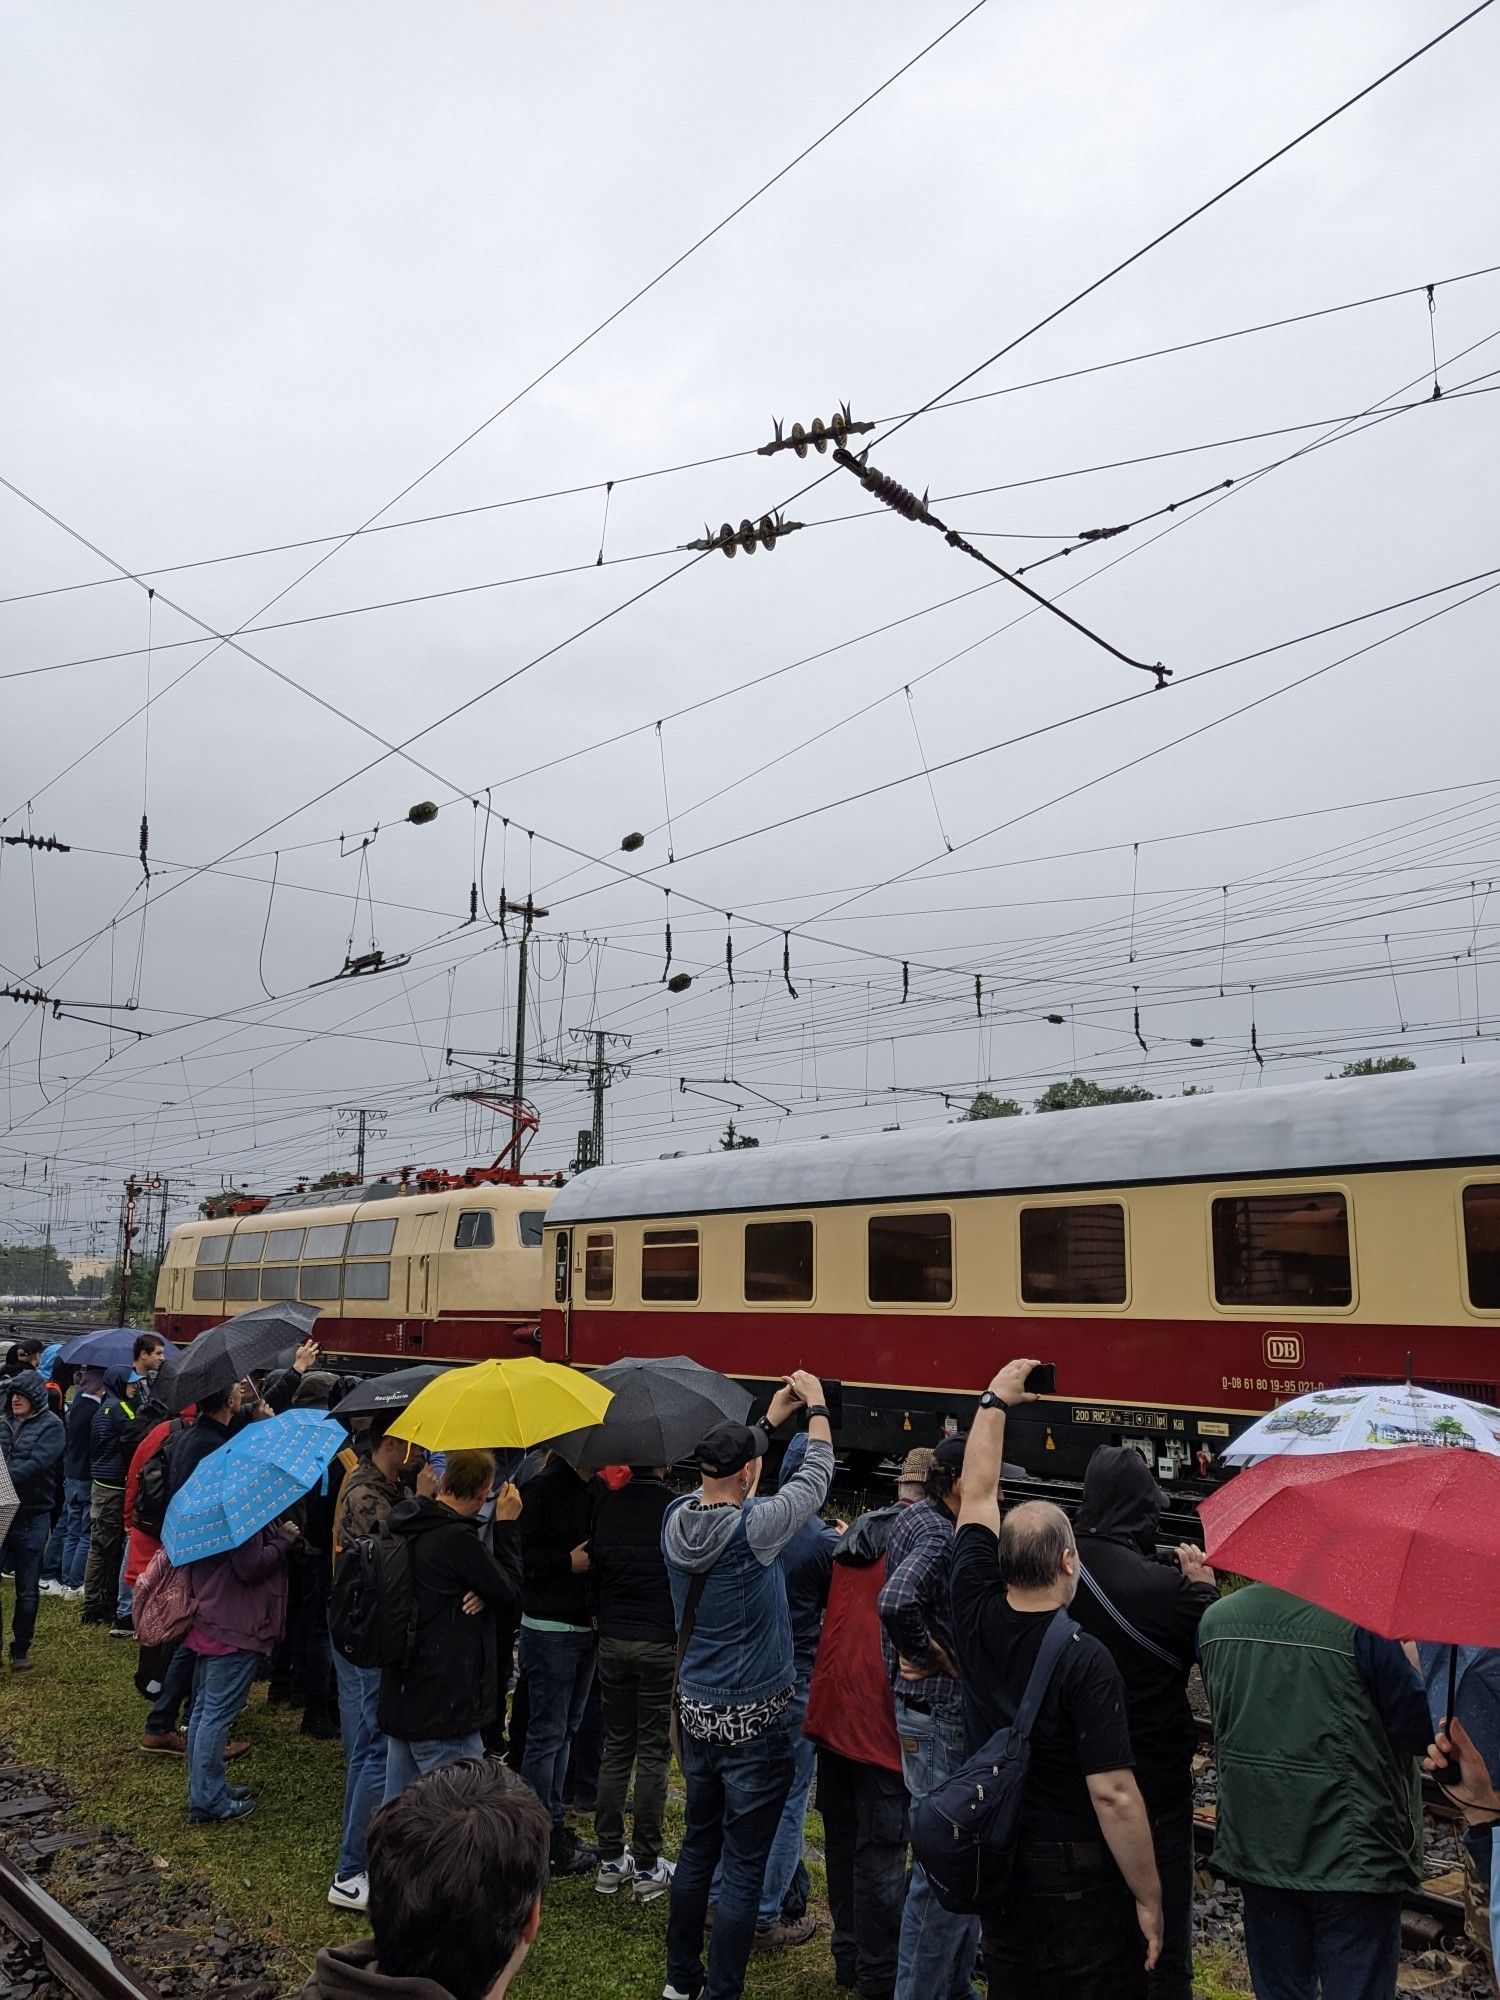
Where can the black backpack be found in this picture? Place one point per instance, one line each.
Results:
(964, 1832)
(372, 1608)
(151, 1488)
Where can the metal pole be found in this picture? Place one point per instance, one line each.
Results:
(518, 1083)
(598, 1080)
(359, 1150)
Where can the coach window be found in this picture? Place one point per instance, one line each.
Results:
(911, 1259)
(529, 1227)
(243, 1284)
(278, 1281)
(367, 1281)
(212, 1249)
(599, 1266)
(669, 1265)
(1073, 1254)
(246, 1247)
(326, 1239)
(318, 1284)
(476, 1230)
(1482, 1245)
(1282, 1250)
(779, 1262)
(208, 1286)
(283, 1246)
(372, 1239)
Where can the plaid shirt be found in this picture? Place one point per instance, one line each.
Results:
(915, 1607)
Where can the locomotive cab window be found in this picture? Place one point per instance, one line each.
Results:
(1282, 1250)
(779, 1262)
(669, 1265)
(529, 1227)
(475, 1231)
(1482, 1245)
(911, 1259)
(599, 1266)
(1073, 1254)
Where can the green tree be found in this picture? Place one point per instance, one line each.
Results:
(1377, 1066)
(987, 1105)
(34, 1270)
(736, 1142)
(1079, 1091)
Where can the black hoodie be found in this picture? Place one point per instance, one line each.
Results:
(1116, 1532)
(451, 1685)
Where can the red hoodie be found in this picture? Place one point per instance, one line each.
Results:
(140, 1547)
(850, 1708)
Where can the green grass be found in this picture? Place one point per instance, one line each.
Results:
(78, 1713)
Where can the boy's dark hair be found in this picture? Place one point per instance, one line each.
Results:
(457, 1862)
(144, 1342)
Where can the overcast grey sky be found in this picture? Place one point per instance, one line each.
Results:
(265, 267)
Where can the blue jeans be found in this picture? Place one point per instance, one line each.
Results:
(1294, 1939)
(364, 1757)
(735, 1796)
(406, 1758)
(937, 1949)
(786, 1849)
(68, 1550)
(559, 1670)
(221, 1687)
(23, 1552)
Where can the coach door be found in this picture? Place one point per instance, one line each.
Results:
(422, 1267)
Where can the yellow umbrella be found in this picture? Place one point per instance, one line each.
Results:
(495, 1404)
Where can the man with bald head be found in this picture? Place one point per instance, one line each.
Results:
(1081, 1918)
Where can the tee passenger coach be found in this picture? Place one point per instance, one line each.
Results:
(1185, 1263)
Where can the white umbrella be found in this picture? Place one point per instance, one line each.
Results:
(1383, 1416)
(10, 1506)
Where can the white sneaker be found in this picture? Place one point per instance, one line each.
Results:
(350, 1892)
(649, 1883)
(51, 1587)
(615, 1875)
(670, 1992)
(73, 1592)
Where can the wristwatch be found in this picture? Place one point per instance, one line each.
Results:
(817, 1410)
(990, 1401)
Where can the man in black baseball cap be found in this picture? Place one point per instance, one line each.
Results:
(736, 1678)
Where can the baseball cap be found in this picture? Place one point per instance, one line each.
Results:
(949, 1453)
(729, 1447)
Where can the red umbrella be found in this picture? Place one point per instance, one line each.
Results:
(1403, 1542)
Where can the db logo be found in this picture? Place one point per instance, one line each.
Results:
(1283, 1350)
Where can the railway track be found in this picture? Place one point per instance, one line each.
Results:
(57, 1943)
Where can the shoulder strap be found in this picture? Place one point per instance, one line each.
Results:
(1147, 1645)
(1056, 1636)
(695, 1592)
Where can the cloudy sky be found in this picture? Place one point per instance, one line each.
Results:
(270, 271)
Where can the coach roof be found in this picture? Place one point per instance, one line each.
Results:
(1413, 1118)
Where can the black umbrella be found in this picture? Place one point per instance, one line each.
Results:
(382, 1393)
(660, 1411)
(236, 1348)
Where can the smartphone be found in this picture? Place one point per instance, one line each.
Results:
(833, 1396)
(1042, 1381)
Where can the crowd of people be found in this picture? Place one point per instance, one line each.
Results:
(565, 1638)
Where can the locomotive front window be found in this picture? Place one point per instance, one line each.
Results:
(318, 1283)
(1282, 1250)
(372, 1239)
(1073, 1255)
(326, 1240)
(208, 1286)
(246, 1247)
(476, 1230)
(1482, 1246)
(669, 1265)
(529, 1227)
(278, 1281)
(779, 1262)
(599, 1266)
(212, 1250)
(911, 1259)
(367, 1281)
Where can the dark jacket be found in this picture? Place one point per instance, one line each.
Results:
(1116, 1530)
(80, 1424)
(189, 1448)
(850, 1708)
(109, 1460)
(149, 1412)
(350, 1972)
(241, 1596)
(32, 1446)
(629, 1575)
(556, 1518)
(451, 1685)
(807, 1565)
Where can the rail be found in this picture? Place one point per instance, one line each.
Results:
(72, 1954)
